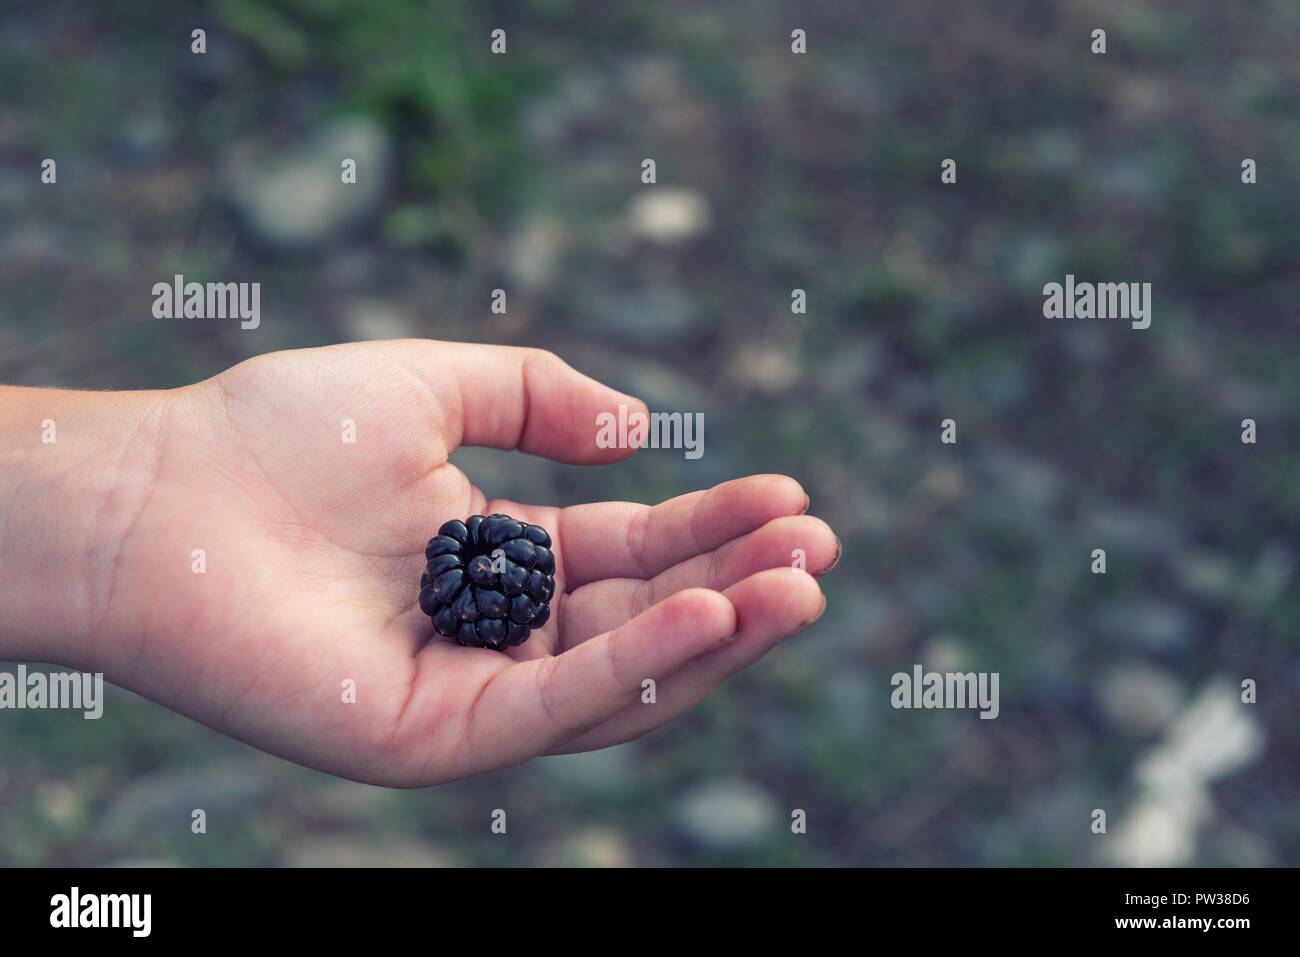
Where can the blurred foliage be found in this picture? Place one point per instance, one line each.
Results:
(426, 67)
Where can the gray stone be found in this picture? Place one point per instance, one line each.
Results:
(367, 320)
(296, 198)
(535, 252)
(668, 214)
(1139, 698)
(764, 367)
(728, 814)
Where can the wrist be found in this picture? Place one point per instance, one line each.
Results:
(76, 469)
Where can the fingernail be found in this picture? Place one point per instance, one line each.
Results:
(839, 550)
(807, 502)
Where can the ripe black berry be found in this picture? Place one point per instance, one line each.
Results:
(489, 580)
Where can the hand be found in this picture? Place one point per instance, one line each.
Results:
(312, 548)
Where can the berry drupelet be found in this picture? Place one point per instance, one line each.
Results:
(489, 580)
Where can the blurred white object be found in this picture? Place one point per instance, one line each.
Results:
(297, 198)
(729, 814)
(1214, 736)
(668, 214)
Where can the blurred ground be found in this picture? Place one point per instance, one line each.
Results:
(775, 171)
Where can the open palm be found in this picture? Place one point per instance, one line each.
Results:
(268, 585)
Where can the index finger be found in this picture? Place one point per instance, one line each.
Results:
(627, 540)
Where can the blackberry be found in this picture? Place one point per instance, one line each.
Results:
(489, 580)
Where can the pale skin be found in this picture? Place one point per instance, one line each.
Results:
(313, 548)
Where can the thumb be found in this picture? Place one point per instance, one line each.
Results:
(527, 399)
